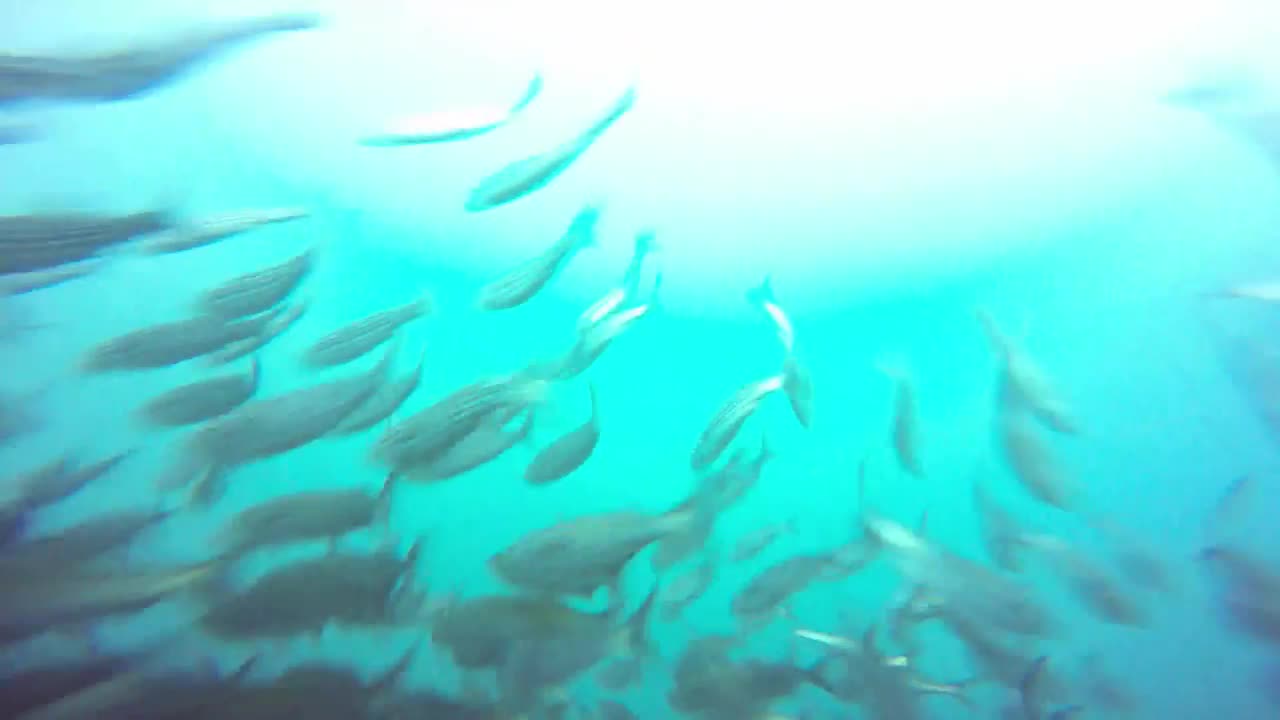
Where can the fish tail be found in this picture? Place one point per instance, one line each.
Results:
(762, 294)
(255, 372)
(646, 243)
(382, 513)
(637, 626)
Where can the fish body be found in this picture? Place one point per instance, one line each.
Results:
(729, 419)
(201, 400)
(256, 292)
(452, 125)
(567, 452)
(520, 285)
(361, 337)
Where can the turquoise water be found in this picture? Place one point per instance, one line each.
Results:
(1086, 215)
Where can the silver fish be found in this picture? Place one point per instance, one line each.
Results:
(258, 291)
(567, 452)
(729, 419)
(518, 286)
(201, 400)
(364, 335)
(525, 176)
(451, 125)
(213, 228)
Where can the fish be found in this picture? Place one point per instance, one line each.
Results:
(906, 423)
(797, 384)
(1034, 465)
(1225, 515)
(1089, 581)
(518, 286)
(28, 282)
(762, 296)
(258, 291)
(210, 229)
(269, 426)
(483, 444)
(729, 419)
(688, 587)
(754, 543)
(383, 403)
(1030, 692)
(16, 133)
(202, 400)
(452, 125)
(303, 597)
(529, 174)
(134, 71)
(306, 516)
(63, 477)
(568, 452)
(363, 336)
(78, 544)
(626, 292)
(423, 437)
(765, 593)
(281, 320)
(1024, 386)
(577, 557)
(998, 529)
(595, 339)
(34, 242)
(169, 343)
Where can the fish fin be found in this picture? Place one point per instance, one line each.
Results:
(637, 626)
(382, 510)
(762, 294)
(255, 372)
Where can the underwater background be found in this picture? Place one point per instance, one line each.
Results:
(891, 171)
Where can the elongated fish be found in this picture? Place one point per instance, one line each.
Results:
(424, 436)
(1034, 464)
(628, 291)
(450, 125)
(567, 452)
(133, 71)
(202, 400)
(521, 284)
(166, 344)
(257, 291)
(23, 283)
(729, 419)
(12, 133)
(594, 339)
(39, 242)
(363, 336)
(485, 443)
(306, 516)
(525, 176)
(385, 401)
(270, 426)
(80, 543)
(281, 320)
(762, 297)
(905, 435)
(213, 228)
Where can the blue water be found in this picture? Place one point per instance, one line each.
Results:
(1087, 224)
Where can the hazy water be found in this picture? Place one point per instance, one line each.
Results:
(889, 187)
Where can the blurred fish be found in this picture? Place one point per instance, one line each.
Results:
(17, 133)
(306, 516)
(518, 286)
(577, 557)
(1135, 558)
(363, 336)
(687, 587)
(998, 528)
(340, 588)
(756, 542)
(450, 125)
(258, 291)
(27, 282)
(424, 437)
(1023, 384)
(165, 344)
(202, 400)
(1033, 701)
(525, 176)
(906, 422)
(485, 443)
(765, 593)
(210, 229)
(1089, 581)
(628, 291)
(762, 297)
(264, 427)
(614, 710)
(63, 477)
(620, 674)
(384, 401)
(1239, 496)
(972, 591)
(594, 339)
(729, 419)
(279, 320)
(78, 544)
(1034, 465)
(132, 72)
(567, 452)
(29, 243)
